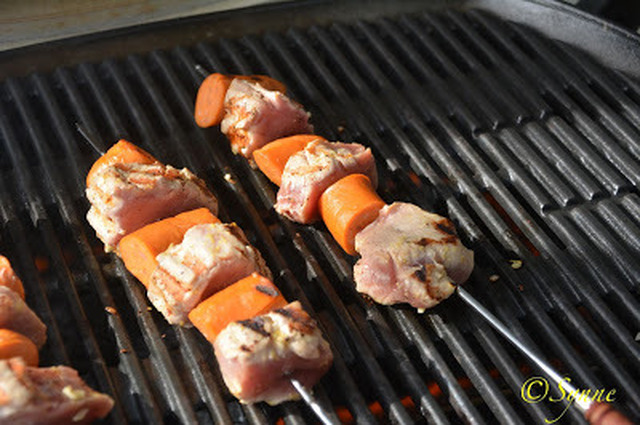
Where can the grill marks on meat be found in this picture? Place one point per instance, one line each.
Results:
(255, 116)
(17, 316)
(258, 357)
(51, 396)
(310, 172)
(209, 258)
(410, 255)
(126, 197)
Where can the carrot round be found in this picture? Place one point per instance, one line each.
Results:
(265, 81)
(347, 207)
(249, 297)
(122, 152)
(13, 344)
(9, 278)
(272, 157)
(209, 108)
(139, 249)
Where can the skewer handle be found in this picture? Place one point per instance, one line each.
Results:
(605, 414)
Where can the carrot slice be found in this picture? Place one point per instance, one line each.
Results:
(265, 81)
(13, 344)
(9, 278)
(347, 207)
(140, 248)
(272, 157)
(122, 152)
(247, 298)
(209, 108)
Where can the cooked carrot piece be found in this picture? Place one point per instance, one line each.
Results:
(9, 278)
(140, 248)
(265, 81)
(347, 207)
(209, 109)
(122, 152)
(249, 297)
(272, 157)
(13, 344)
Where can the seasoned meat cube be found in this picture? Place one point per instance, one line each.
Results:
(126, 197)
(47, 396)
(311, 171)
(412, 256)
(17, 316)
(209, 258)
(259, 356)
(255, 116)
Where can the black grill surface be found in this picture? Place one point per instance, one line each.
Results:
(528, 145)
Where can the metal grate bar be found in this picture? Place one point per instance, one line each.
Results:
(587, 336)
(14, 241)
(60, 269)
(528, 145)
(493, 402)
(123, 340)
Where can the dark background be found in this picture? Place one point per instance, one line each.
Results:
(624, 12)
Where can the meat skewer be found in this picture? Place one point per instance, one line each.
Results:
(161, 279)
(387, 257)
(30, 395)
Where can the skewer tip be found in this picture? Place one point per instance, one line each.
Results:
(89, 140)
(202, 71)
(313, 403)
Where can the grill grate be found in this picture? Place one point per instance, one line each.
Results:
(527, 144)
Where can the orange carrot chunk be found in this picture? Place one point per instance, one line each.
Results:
(249, 297)
(13, 344)
(122, 152)
(265, 81)
(209, 108)
(140, 248)
(9, 278)
(347, 207)
(272, 157)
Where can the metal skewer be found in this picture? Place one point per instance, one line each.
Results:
(312, 402)
(89, 140)
(582, 403)
(202, 71)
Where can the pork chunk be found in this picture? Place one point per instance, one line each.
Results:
(255, 116)
(311, 171)
(18, 317)
(126, 197)
(209, 258)
(410, 256)
(47, 396)
(259, 356)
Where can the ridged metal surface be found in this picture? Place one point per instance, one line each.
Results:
(529, 146)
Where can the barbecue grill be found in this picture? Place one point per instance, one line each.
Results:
(519, 121)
